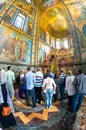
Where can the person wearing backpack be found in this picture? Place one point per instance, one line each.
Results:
(4, 90)
(62, 81)
(6, 106)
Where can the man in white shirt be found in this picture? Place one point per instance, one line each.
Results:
(70, 89)
(10, 79)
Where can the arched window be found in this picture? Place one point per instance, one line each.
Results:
(65, 43)
(58, 44)
(19, 22)
(47, 38)
(52, 42)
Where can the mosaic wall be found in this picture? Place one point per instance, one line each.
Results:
(78, 13)
(78, 10)
(43, 52)
(14, 47)
(3, 3)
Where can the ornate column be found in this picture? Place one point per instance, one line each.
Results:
(36, 36)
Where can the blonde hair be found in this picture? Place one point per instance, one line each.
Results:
(69, 72)
(22, 71)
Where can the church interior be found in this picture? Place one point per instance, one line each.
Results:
(50, 34)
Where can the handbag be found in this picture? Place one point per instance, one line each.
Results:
(6, 116)
(6, 110)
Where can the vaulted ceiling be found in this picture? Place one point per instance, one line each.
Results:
(54, 15)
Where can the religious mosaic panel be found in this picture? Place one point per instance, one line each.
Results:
(3, 3)
(14, 47)
(10, 14)
(20, 20)
(29, 26)
(78, 10)
(23, 5)
(43, 52)
(48, 4)
(78, 13)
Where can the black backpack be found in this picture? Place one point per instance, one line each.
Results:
(18, 79)
(7, 121)
(62, 81)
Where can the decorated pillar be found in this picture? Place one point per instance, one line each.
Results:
(36, 36)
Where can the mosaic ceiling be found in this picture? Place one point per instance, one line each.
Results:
(53, 17)
(53, 20)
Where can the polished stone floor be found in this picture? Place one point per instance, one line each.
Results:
(56, 118)
(80, 123)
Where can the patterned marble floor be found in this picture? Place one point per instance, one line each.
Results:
(80, 123)
(57, 118)
(83, 117)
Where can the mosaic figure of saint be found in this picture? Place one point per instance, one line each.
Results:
(9, 15)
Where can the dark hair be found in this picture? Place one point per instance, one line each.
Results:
(55, 76)
(8, 67)
(28, 68)
(62, 71)
(80, 71)
(48, 71)
(38, 68)
(47, 75)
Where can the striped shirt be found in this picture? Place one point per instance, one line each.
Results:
(62, 79)
(62, 76)
(39, 79)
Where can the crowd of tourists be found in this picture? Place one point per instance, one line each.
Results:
(36, 85)
(39, 87)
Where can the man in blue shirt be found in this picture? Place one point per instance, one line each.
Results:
(80, 90)
(30, 90)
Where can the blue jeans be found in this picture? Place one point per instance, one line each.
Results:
(4, 92)
(77, 101)
(49, 95)
(22, 90)
(56, 94)
(62, 92)
(32, 94)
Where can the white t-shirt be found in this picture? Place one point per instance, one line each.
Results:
(49, 83)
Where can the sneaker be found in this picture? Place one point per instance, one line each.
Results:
(35, 108)
(50, 107)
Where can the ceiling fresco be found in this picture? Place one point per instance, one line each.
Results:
(77, 10)
(23, 5)
(54, 19)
